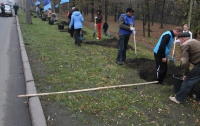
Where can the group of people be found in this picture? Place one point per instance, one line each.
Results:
(15, 7)
(76, 24)
(190, 54)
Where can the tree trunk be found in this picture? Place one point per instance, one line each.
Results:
(92, 12)
(148, 17)
(106, 10)
(162, 15)
(28, 15)
(190, 14)
(144, 22)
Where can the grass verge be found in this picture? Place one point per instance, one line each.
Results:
(59, 65)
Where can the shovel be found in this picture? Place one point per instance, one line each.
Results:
(171, 60)
(134, 32)
(95, 28)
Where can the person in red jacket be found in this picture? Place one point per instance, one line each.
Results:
(99, 18)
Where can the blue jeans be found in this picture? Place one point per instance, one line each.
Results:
(123, 44)
(188, 84)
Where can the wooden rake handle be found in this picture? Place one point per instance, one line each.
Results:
(85, 90)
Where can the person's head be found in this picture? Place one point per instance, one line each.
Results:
(185, 27)
(98, 12)
(184, 37)
(76, 9)
(177, 31)
(129, 11)
(73, 8)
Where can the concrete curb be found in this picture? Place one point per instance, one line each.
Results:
(35, 107)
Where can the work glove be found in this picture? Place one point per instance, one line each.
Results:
(176, 41)
(95, 17)
(132, 28)
(95, 25)
(69, 27)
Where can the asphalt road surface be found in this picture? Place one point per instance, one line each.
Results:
(13, 111)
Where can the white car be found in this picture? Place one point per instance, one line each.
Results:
(8, 10)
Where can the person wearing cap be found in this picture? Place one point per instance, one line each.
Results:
(126, 27)
(185, 29)
(98, 19)
(162, 50)
(190, 54)
(72, 27)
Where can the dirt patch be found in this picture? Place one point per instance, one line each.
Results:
(146, 67)
(111, 43)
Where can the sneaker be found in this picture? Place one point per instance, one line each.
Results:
(119, 62)
(97, 38)
(174, 100)
(163, 83)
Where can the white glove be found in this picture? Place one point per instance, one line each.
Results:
(134, 32)
(95, 17)
(177, 41)
(132, 28)
(95, 25)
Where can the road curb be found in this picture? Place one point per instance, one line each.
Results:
(35, 107)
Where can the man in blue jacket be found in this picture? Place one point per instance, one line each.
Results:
(126, 27)
(162, 50)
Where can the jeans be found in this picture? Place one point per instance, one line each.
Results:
(188, 84)
(123, 43)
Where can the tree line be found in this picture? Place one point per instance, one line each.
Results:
(176, 12)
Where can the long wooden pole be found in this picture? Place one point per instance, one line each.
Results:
(84, 90)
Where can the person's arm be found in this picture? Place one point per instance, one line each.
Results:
(122, 24)
(163, 44)
(185, 64)
(71, 21)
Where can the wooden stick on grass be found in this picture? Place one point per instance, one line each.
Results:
(85, 90)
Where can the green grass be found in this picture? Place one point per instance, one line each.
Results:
(59, 65)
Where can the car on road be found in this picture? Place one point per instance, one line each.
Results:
(8, 10)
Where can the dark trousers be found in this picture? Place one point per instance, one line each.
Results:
(105, 31)
(161, 68)
(188, 84)
(15, 11)
(72, 32)
(123, 44)
(77, 36)
(3, 12)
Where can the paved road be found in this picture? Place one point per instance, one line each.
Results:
(13, 110)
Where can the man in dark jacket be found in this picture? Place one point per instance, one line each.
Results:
(15, 7)
(2, 10)
(126, 27)
(72, 27)
(161, 52)
(190, 54)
